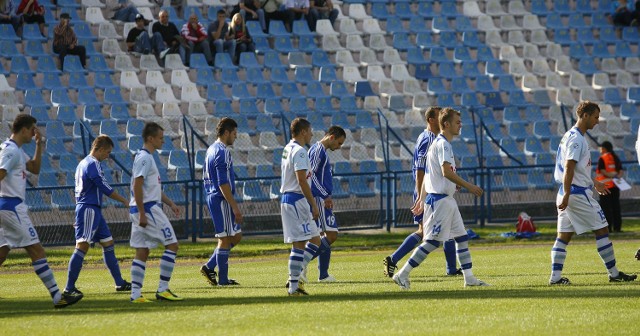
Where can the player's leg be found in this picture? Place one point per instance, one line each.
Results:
(229, 234)
(461, 239)
(605, 250)
(104, 237)
(296, 262)
(409, 243)
(559, 255)
(449, 248)
(138, 269)
(208, 270)
(85, 225)
(4, 251)
(75, 266)
(324, 256)
(168, 259)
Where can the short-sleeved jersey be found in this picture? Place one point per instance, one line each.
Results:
(321, 174)
(145, 166)
(90, 182)
(14, 161)
(294, 158)
(574, 146)
(425, 139)
(218, 169)
(439, 153)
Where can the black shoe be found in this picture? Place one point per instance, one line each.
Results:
(209, 274)
(68, 298)
(73, 291)
(561, 281)
(299, 292)
(389, 266)
(125, 287)
(456, 273)
(231, 282)
(622, 277)
(638, 254)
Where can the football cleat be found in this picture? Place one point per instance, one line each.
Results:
(168, 296)
(456, 273)
(231, 282)
(328, 279)
(141, 299)
(73, 291)
(475, 282)
(401, 281)
(67, 299)
(209, 274)
(389, 266)
(125, 287)
(299, 292)
(622, 277)
(638, 254)
(561, 281)
(303, 275)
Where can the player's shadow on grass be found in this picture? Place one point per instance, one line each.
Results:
(19, 308)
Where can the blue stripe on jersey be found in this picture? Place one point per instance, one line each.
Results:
(218, 169)
(321, 174)
(90, 182)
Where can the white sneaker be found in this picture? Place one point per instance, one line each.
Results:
(164, 53)
(303, 275)
(401, 281)
(328, 279)
(475, 282)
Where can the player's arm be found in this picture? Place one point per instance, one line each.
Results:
(33, 165)
(168, 201)
(451, 175)
(228, 195)
(418, 206)
(3, 174)
(316, 164)
(301, 176)
(567, 179)
(138, 197)
(97, 177)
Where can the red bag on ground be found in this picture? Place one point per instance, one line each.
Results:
(525, 223)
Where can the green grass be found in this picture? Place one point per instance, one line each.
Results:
(362, 303)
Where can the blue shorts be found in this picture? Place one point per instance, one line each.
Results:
(224, 221)
(90, 226)
(326, 220)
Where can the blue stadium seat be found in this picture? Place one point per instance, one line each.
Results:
(403, 10)
(255, 30)
(60, 96)
(324, 105)
(448, 71)
(167, 147)
(541, 97)
(461, 55)
(380, 11)
(512, 180)
(440, 24)
(418, 25)
(25, 81)
(587, 66)
(576, 21)
(98, 64)
(471, 39)
(134, 143)
(198, 61)
(8, 49)
(261, 44)
(265, 91)
(518, 130)
(215, 91)
(31, 32)
(290, 90)
(175, 193)
(436, 86)
(578, 51)
(102, 80)
(554, 143)
(631, 34)
(363, 89)
(425, 9)
(204, 76)
(178, 159)
(110, 128)
(494, 161)
(307, 44)
(359, 186)
(554, 21)
(55, 147)
(495, 130)
(544, 159)
(67, 114)
(315, 90)
(301, 29)
(633, 95)
(280, 76)
(539, 7)
(416, 57)
(272, 106)
(34, 98)
(485, 54)
(248, 60)
(48, 179)
(272, 61)
(223, 108)
(470, 69)
(470, 99)
(507, 84)
(439, 55)
(328, 74)
(316, 120)
(425, 41)
(445, 99)
(600, 50)
(533, 146)
(51, 81)
(623, 50)
(46, 64)
(394, 25)
(612, 96)
(449, 10)
(629, 111)
(584, 7)
(68, 162)
(401, 42)
(608, 34)
(283, 44)
(252, 191)
(19, 65)
(113, 96)
(277, 29)
(93, 114)
(484, 85)
(517, 98)
(264, 170)
(585, 36)
(223, 61)
(87, 96)
(34, 200)
(303, 75)
(493, 100)
(423, 71)
(8, 33)
(320, 59)
(342, 120)
(119, 113)
(494, 69)
(249, 107)
(449, 40)
(240, 91)
(563, 36)
(633, 174)
(509, 145)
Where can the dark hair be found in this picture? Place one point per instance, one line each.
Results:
(101, 141)
(609, 147)
(22, 121)
(225, 124)
(432, 112)
(336, 131)
(298, 125)
(586, 108)
(445, 115)
(222, 11)
(150, 129)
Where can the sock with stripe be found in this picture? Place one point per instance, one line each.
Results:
(605, 250)
(407, 245)
(109, 256)
(464, 256)
(223, 266)
(167, 262)
(73, 272)
(213, 261)
(41, 267)
(324, 257)
(310, 250)
(419, 255)
(138, 268)
(449, 248)
(296, 259)
(558, 256)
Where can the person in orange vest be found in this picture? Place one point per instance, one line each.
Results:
(608, 168)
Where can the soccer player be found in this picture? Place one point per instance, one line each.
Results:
(150, 226)
(90, 226)
(219, 183)
(298, 208)
(425, 139)
(16, 228)
(321, 188)
(442, 219)
(578, 212)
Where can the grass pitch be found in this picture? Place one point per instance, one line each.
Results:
(364, 302)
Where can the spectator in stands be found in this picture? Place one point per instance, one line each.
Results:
(138, 39)
(298, 9)
(8, 15)
(251, 7)
(238, 30)
(32, 12)
(273, 11)
(610, 167)
(321, 10)
(219, 36)
(171, 37)
(622, 13)
(195, 35)
(126, 12)
(65, 41)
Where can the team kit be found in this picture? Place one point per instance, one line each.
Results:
(308, 222)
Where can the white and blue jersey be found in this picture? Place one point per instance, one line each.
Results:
(218, 171)
(424, 141)
(90, 182)
(145, 166)
(322, 186)
(439, 153)
(13, 160)
(90, 186)
(574, 146)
